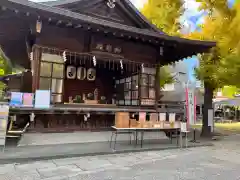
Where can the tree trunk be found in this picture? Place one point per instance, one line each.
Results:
(208, 96)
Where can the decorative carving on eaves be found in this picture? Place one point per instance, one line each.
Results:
(104, 12)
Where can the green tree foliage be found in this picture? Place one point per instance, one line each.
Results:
(166, 77)
(5, 68)
(229, 91)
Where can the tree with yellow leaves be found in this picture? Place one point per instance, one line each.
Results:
(5, 68)
(164, 14)
(221, 66)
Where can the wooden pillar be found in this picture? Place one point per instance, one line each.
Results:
(37, 54)
(160, 54)
(157, 85)
(26, 81)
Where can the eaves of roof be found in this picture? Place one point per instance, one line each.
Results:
(101, 22)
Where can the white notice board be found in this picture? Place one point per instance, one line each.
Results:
(191, 106)
(4, 111)
(42, 99)
(210, 118)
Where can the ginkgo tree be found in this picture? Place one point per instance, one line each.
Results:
(165, 14)
(221, 66)
(5, 68)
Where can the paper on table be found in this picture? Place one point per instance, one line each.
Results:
(153, 117)
(172, 117)
(183, 127)
(162, 116)
(142, 117)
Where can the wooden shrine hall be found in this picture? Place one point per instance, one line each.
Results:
(98, 55)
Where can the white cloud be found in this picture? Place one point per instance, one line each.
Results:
(191, 5)
(139, 3)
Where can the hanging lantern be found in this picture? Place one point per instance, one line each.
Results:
(64, 56)
(94, 61)
(38, 26)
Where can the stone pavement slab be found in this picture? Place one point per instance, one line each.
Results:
(35, 165)
(6, 168)
(59, 171)
(67, 161)
(21, 175)
(87, 165)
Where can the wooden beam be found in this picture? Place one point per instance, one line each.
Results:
(87, 41)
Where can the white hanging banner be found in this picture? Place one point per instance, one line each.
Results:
(190, 106)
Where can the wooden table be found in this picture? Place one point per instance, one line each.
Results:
(135, 131)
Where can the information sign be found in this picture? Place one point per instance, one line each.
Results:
(4, 111)
(190, 106)
(42, 99)
(28, 99)
(16, 99)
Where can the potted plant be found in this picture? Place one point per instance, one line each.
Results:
(78, 99)
(102, 100)
(90, 96)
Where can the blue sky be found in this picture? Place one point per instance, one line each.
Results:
(192, 18)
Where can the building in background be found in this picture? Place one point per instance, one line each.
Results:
(176, 92)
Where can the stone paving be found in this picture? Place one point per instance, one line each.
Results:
(220, 162)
